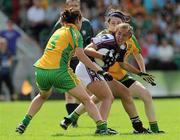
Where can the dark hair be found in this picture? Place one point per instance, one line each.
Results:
(70, 16)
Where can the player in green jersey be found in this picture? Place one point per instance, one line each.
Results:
(53, 70)
(87, 33)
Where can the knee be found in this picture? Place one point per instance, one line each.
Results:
(126, 95)
(111, 98)
(147, 96)
(85, 100)
(108, 97)
(44, 97)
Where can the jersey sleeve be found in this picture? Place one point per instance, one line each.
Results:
(104, 38)
(80, 41)
(136, 46)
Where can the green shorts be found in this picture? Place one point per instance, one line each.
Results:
(127, 80)
(61, 79)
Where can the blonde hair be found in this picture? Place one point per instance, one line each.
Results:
(125, 26)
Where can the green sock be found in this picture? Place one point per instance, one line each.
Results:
(73, 116)
(26, 120)
(154, 126)
(101, 125)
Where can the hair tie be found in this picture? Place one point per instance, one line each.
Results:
(116, 14)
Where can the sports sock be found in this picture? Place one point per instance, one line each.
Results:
(70, 107)
(73, 116)
(101, 125)
(27, 120)
(154, 127)
(137, 124)
(135, 119)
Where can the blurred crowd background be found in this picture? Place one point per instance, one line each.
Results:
(156, 25)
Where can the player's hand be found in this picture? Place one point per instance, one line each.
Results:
(105, 74)
(109, 58)
(148, 78)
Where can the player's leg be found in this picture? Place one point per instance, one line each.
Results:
(71, 102)
(80, 93)
(71, 84)
(45, 87)
(138, 90)
(121, 91)
(102, 91)
(34, 107)
(71, 105)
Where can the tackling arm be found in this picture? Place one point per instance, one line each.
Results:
(129, 68)
(145, 76)
(90, 50)
(140, 61)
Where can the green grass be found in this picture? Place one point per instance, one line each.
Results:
(45, 125)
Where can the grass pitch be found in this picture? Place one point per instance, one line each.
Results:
(45, 125)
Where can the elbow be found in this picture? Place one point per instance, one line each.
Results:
(79, 53)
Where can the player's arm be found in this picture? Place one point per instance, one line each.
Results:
(137, 54)
(90, 50)
(84, 59)
(130, 68)
(145, 76)
(88, 63)
(140, 61)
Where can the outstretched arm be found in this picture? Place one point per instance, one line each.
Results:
(140, 61)
(129, 68)
(145, 76)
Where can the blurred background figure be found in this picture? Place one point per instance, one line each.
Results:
(165, 54)
(12, 36)
(36, 17)
(5, 70)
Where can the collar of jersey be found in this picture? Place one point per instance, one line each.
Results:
(71, 25)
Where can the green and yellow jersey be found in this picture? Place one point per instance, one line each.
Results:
(86, 30)
(60, 48)
(133, 48)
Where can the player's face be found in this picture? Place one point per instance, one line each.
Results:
(114, 21)
(75, 5)
(122, 35)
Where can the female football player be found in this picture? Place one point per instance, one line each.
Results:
(137, 89)
(87, 33)
(53, 70)
(116, 45)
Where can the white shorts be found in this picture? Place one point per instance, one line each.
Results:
(86, 75)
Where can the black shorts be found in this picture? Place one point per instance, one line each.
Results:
(127, 81)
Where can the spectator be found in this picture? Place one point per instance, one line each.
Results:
(11, 35)
(165, 54)
(52, 13)
(151, 44)
(5, 66)
(176, 38)
(36, 17)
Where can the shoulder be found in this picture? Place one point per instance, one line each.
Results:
(135, 42)
(105, 31)
(104, 38)
(86, 21)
